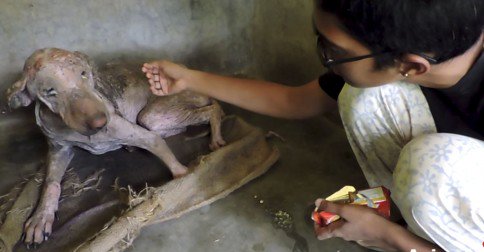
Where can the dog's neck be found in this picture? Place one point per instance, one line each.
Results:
(50, 122)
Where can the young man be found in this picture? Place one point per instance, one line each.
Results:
(412, 107)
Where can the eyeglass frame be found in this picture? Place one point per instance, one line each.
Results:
(329, 62)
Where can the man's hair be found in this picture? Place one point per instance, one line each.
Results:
(445, 28)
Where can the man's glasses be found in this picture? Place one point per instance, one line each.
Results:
(328, 61)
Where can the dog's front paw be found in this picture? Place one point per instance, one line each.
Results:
(217, 143)
(179, 171)
(39, 227)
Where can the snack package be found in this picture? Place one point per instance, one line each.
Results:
(376, 197)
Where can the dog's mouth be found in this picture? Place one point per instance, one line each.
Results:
(95, 123)
(85, 125)
(90, 132)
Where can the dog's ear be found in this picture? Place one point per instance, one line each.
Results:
(89, 61)
(84, 57)
(81, 55)
(18, 95)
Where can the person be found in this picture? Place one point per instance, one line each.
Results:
(407, 77)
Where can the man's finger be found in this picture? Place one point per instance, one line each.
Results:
(331, 207)
(322, 233)
(337, 228)
(155, 70)
(165, 81)
(318, 202)
(164, 86)
(158, 85)
(159, 93)
(156, 91)
(329, 231)
(147, 66)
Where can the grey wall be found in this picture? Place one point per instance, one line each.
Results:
(259, 38)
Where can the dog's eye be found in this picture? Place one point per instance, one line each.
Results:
(50, 92)
(83, 75)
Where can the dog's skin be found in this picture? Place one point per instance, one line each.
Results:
(100, 111)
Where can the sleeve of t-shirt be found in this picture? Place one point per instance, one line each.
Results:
(332, 84)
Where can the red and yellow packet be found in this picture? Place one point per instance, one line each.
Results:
(376, 197)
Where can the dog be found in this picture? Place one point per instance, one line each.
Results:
(100, 110)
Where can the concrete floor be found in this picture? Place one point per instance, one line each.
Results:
(316, 160)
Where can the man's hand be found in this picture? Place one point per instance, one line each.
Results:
(367, 228)
(165, 77)
(360, 224)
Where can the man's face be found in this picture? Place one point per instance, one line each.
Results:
(341, 45)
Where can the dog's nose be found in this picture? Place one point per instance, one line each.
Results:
(97, 122)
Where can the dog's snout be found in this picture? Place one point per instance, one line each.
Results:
(97, 122)
(86, 114)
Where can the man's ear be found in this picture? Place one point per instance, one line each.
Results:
(18, 95)
(413, 64)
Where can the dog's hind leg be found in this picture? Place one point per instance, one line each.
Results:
(175, 120)
(39, 226)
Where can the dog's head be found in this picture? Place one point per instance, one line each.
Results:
(64, 82)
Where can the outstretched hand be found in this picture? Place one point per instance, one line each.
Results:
(165, 77)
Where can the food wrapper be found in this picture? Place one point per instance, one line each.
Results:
(376, 197)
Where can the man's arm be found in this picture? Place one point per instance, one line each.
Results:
(262, 97)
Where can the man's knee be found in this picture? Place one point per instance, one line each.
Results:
(437, 185)
(429, 161)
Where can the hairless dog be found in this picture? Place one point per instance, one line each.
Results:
(100, 110)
